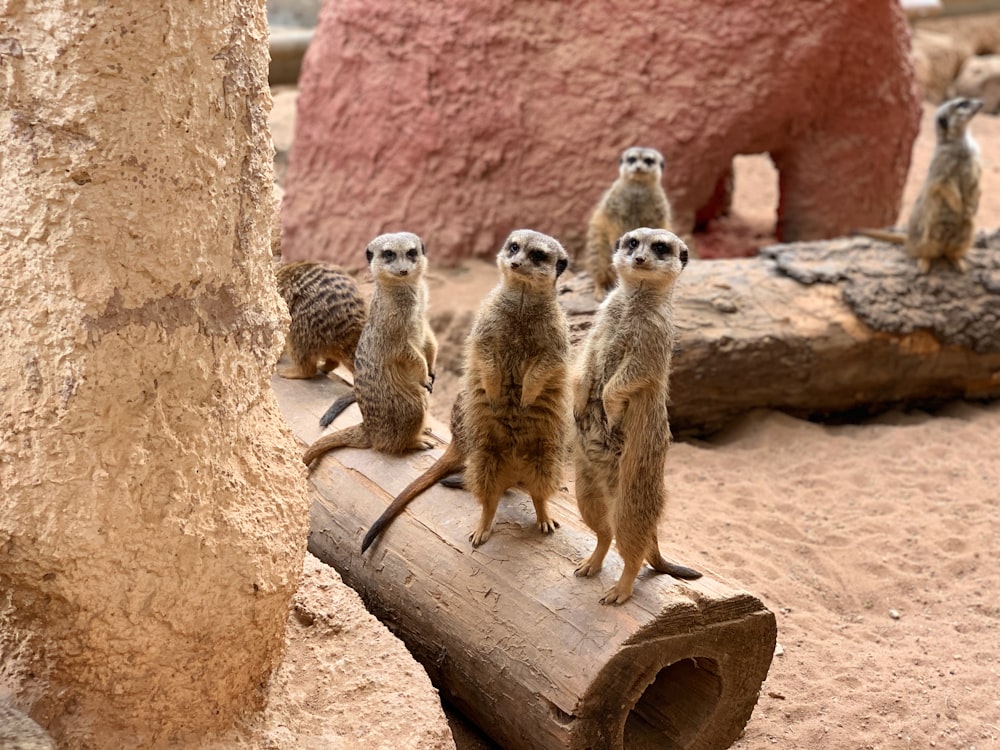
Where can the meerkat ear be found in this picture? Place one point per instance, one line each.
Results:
(369, 255)
(942, 121)
(684, 256)
(561, 266)
(423, 248)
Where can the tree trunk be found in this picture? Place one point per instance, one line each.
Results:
(153, 515)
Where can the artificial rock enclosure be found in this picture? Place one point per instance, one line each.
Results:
(154, 511)
(462, 120)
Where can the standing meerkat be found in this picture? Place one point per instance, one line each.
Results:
(620, 392)
(635, 199)
(394, 362)
(327, 313)
(942, 220)
(510, 422)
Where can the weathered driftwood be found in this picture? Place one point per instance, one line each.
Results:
(509, 634)
(819, 329)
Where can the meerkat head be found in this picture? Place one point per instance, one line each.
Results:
(642, 164)
(952, 117)
(399, 258)
(649, 256)
(532, 258)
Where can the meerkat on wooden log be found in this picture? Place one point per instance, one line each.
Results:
(620, 392)
(327, 314)
(510, 422)
(635, 199)
(942, 221)
(394, 362)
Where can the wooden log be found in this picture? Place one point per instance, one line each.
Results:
(841, 328)
(509, 634)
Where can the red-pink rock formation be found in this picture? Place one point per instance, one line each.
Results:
(463, 119)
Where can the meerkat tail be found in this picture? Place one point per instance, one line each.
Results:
(896, 238)
(660, 565)
(350, 437)
(451, 461)
(337, 408)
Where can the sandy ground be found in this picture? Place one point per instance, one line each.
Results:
(875, 545)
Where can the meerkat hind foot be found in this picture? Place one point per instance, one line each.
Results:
(547, 526)
(620, 593)
(479, 537)
(588, 568)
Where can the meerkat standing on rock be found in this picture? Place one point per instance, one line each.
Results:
(620, 393)
(635, 199)
(327, 313)
(510, 421)
(942, 220)
(394, 362)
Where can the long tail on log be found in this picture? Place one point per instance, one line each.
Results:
(337, 408)
(451, 461)
(349, 437)
(896, 238)
(661, 565)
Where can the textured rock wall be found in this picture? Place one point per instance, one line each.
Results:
(153, 512)
(463, 119)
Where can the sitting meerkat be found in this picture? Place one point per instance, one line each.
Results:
(327, 313)
(942, 222)
(620, 391)
(635, 199)
(394, 362)
(510, 422)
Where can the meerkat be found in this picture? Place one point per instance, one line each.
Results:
(509, 423)
(394, 362)
(942, 220)
(620, 390)
(635, 199)
(327, 313)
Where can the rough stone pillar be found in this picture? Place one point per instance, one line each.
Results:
(153, 513)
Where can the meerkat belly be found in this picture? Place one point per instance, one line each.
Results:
(641, 209)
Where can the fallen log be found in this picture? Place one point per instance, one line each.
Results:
(508, 634)
(831, 329)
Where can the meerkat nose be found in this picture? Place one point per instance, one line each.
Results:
(404, 272)
(515, 264)
(639, 260)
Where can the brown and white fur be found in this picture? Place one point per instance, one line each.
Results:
(509, 423)
(635, 199)
(394, 362)
(620, 392)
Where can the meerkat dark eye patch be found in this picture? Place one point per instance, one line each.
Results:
(661, 249)
(649, 161)
(412, 253)
(388, 256)
(631, 159)
(513, 248)
(632, 243)
(561, 265)
(538, 257)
